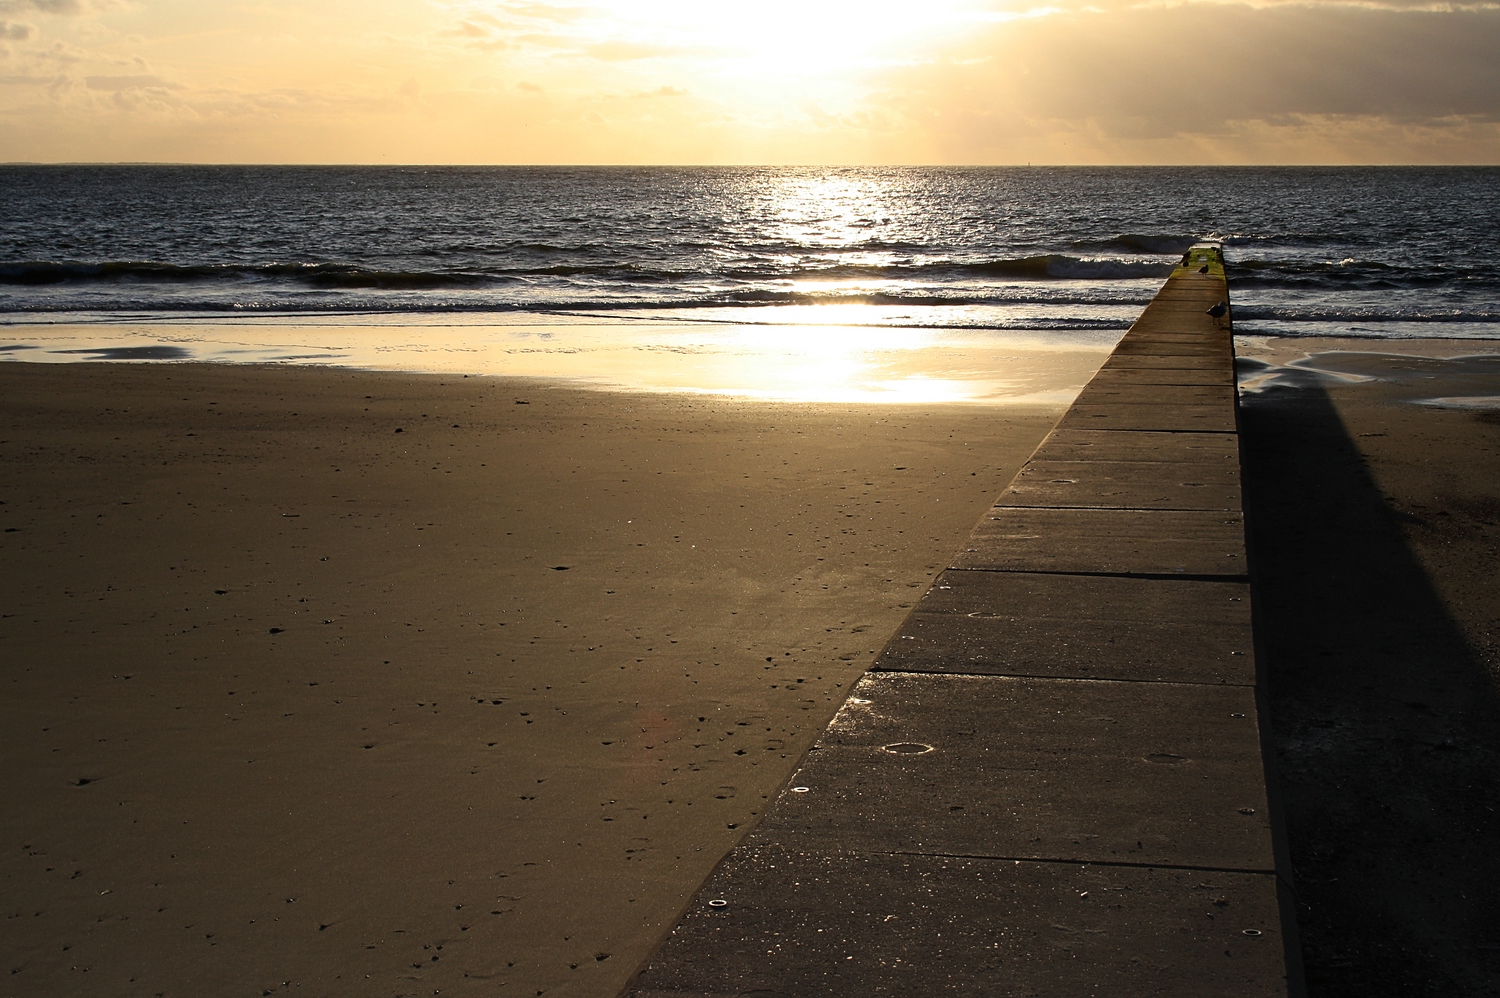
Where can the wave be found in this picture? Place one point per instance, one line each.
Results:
(1268, 288)
(346, 302)
(335, 276)
(1165, 244)
(1351, 274)
(1176, 243)
(1056, 266)
(318, 275)
(1245, 313)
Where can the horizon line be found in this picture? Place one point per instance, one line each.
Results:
(766, 166)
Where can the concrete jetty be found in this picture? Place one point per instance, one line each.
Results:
(1051, 781)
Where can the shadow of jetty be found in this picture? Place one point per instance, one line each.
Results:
(1384, 720)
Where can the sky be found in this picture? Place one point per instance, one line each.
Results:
(765, 82)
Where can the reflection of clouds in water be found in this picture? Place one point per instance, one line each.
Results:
(1463, 402)
(132, 353)
(1348, 367)
(1258, 375)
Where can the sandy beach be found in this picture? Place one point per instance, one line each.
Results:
(334, 682)
(330, 682)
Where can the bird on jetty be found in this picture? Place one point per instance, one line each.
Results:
(1203, 269)
(1219, 309)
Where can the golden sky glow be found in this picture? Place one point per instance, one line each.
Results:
(778, 81)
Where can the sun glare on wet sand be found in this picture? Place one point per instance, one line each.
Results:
(816, 361)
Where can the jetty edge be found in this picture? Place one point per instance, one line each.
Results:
(1052, 780)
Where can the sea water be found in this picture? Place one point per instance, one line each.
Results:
(973, 255)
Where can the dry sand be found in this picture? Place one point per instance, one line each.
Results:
(298, 703)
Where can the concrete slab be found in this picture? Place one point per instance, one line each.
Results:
(1115, 389)
(1210, 417)
(1210, 450)
(1199, 299)
(1124, 485)
(1176, 287)
(1195, 307)
(1209, 291)
(1196, 299)
(1157, 774)
(1183, 317)
(1164, 376)
(1185, 347)
(1112, 541)
(1221, 368)
(1078, 626)
(795, 925)
(1189, 277)
(1186, 314)
(1147, 342)
(1167, 331)
(1179, 321)
(1168, 327)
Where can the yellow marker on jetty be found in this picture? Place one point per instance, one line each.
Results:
(1051, 780)
(1209, 255)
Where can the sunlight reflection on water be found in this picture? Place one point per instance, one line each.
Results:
(825, 363)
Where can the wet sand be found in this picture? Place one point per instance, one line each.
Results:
(298, 703)
(1374, 520)
(821, 353)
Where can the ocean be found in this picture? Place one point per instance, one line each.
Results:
(1382, 253)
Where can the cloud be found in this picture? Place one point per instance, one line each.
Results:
(60, 52)
(508, 15)
(65, 8)
(509, 25)
(1041, 80)
(546, 12)
(1431, 6)
(1202, 70)
(631, 51)
(663, 91)
(130, 83)
(484, 33)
